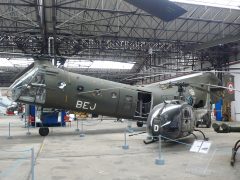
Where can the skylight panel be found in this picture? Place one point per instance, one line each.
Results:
(111, 65)
(98, 64)
(71, 63)
(14, 62)
(231, 4)
(77, 64)
(5, 63)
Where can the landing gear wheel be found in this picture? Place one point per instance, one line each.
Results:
(209, 124)
(197, 124)
(43, 131)
(153, 140)
(139, 124)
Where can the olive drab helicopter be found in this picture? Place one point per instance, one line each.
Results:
(47, 86)
(225, 128)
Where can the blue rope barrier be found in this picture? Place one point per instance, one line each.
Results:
(189, 145)
(173, 140)
(176, 141)
(26, 150)
(12, 125)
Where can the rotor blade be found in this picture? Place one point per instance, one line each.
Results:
(212, 85)
(163, 9)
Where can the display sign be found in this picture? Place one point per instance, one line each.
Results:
(201, 146)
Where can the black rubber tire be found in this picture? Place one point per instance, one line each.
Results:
(208, 120)
(209, 124)
(197, 124)
(139, 124)
(43, 131)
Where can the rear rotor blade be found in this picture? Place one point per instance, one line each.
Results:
(163, 9)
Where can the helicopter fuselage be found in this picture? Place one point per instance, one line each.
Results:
(48, 86)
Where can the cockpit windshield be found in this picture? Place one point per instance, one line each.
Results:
(30, 87)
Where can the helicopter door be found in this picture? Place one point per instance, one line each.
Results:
(144, 104)
(187, 119)
(127, 103)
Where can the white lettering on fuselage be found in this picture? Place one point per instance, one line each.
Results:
(85, 105)
(156, 128)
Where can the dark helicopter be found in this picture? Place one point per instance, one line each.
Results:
(176, 118)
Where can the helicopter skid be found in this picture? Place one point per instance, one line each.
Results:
(150, 141)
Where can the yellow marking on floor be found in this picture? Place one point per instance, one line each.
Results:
(41, 148)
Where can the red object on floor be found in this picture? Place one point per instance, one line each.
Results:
(9, 113)
(31, 119)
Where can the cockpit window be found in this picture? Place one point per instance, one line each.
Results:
(24, 79)
(30, 87)
(186, 113)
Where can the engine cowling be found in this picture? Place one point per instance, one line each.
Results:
(173, 119)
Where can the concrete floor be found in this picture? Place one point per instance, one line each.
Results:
(99, 155)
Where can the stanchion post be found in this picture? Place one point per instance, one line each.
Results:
(32, 163)
(159, 160)
(82, 133)
(77, 130)
(28, 133)
(129, 126)
(125, 146)
(9, 131)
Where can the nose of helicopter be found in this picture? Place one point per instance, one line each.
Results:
(29, 88)
(164, 120)
(9, 94)
(154, 120)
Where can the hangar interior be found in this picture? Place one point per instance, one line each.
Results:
(86, 36)
(118, 41)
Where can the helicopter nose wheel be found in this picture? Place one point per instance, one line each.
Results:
(43, 131)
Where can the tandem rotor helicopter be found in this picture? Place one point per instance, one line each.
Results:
(47, 86)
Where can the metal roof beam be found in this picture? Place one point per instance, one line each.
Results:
(222, 41)
(40, 12)
(143, 14)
